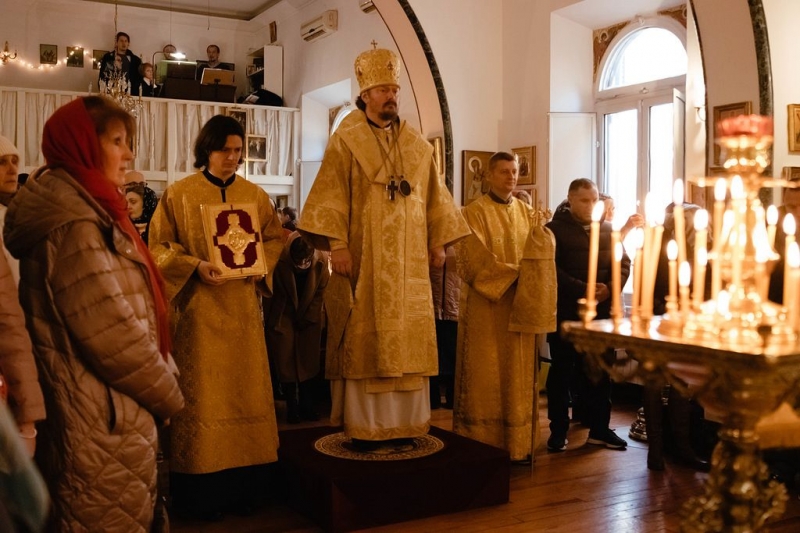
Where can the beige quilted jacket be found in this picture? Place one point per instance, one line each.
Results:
(90, 314)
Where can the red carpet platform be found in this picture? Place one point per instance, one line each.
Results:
(344, 494)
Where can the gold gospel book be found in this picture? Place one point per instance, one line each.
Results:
(233, 236)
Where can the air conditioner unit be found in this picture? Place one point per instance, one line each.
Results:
(321, 26)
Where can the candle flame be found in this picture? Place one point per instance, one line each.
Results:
(684, 274)
(672, 250)
(772, 215)
(701, 220)
(720, 189)
(789, 224)
(618, 252)
(677, 192)
(597, 211)
(702, 257)
(793, 255)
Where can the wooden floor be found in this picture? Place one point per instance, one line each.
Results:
(586, 489)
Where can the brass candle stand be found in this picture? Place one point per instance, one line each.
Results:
(737, 353)
(740, 386)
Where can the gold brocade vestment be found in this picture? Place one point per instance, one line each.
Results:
(508, 296)
(218, 334)
(381, 324)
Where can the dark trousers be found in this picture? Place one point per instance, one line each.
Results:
(566, 367)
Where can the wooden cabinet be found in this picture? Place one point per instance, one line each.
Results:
(265, 69)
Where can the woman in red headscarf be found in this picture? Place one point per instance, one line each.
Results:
(94, 304)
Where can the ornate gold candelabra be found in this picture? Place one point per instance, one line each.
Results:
(737, 352)
(118, 88)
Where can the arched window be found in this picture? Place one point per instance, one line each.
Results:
(644, 55)
(639, 103)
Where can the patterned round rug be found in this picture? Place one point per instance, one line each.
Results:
(337, 445)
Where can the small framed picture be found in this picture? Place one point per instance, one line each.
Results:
(48, 54)
(256, 148)
(794, 128)
(474, 171)
(255, 168)
(273, 32)
(239, 114)
(791, 173)
(526, 159)
(97, 58)
(75, 56)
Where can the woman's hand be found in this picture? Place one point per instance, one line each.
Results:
(209, 274)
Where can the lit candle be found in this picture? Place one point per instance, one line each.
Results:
(720, 190)
(772, 224)
(789, 227)
(616, 280)
(716, 265)
(701, 260)
(739, 235)
(680, 221)
(648, 266)
(672, 256)
(594, 246)
(793, 282)
(763, 251)
(684, 279)
(700, 236)
(638, 241)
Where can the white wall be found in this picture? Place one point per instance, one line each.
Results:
(782, 18)
(571, 59)
(466, 37)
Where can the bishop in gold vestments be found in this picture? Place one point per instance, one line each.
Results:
(379, 197)
(229, 419)
(508, 296)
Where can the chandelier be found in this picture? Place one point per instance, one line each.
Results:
(118, 88)
(6, 55)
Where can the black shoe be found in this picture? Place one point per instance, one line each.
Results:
(607, 438)
(556, 443)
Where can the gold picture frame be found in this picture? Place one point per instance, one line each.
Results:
(722, 112)
(794, 127)
(790, 173)
(233, 237)
(474, 171)
(438, 154)
(526, 158)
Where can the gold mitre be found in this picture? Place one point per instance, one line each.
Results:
(377, 67)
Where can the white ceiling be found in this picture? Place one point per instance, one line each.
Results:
(596, 14)
(233, 9)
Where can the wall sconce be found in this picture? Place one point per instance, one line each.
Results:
(6, 55)
(701, 112)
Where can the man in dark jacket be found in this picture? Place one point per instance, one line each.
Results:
(128, 64)
(570, 225)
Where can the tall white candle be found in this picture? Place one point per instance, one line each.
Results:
(789, 228)
(720, 190)
(616, 279)
(793, 283)
(638, 242)
(680, 220)
(594, 246)
(672, 256)
(701, 260)
(684, 279)
(772, 224)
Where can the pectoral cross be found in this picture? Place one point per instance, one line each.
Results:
(392, 188)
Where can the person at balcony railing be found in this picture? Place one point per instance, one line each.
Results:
(96, 313)
(148, 85)
(127, 65)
